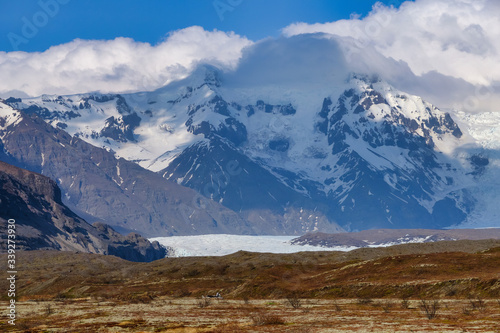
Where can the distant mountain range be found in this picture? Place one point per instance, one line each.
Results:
(43, 222)
(202, 156)
(389, 237)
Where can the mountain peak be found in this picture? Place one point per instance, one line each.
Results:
(366, 78)
(208, 74)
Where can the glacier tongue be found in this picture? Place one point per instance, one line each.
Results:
(484, 144)
(221, 245)
(484, 128)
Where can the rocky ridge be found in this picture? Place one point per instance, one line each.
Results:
(43, 222)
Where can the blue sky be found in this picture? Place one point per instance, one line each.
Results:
(36, 25)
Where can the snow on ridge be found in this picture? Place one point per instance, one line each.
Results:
(10, 115)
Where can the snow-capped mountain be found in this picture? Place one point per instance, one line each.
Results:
(101, 187)
(352, 156)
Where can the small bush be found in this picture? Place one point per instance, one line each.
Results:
(203, 302)
(294, 301)
(405, 303)
(451, 291)
(192, 273)
(27, 324)
(183, 292)
(364, 301)
(430, 308)
(48, 309)
(477, 304)
(61, 297)
(387, 306)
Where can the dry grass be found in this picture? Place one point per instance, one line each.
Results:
(366, 273)
(265, 319)
(183, 315)
(379, 290)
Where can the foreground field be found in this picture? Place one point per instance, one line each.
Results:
(290, 315)
(434, 287)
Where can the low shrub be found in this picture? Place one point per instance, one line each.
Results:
(430, 308)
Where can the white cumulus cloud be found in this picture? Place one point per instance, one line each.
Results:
(117, 65)
(446, 51)
(458, 38)
(450, 47)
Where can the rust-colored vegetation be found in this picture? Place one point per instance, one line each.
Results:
(448, 286)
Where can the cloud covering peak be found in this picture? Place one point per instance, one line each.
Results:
(457, 38)
(446, 51)
(117, 65)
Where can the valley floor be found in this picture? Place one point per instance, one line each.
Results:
(282, 315)
(432, 287)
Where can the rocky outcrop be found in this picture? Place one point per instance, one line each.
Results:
(42, 221)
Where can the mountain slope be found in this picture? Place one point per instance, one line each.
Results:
(244, 186)
(353, 156)
(105, 188)
(389, 170)
(42, 221)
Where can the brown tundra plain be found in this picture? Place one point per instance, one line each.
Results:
(434, 287)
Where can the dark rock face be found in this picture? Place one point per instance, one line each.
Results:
(122, 129)
(246, 187)
(279, 144)
(479, 163)
(261, 106)
(118, 192)
(322, 125)
(219, 106)
(133, 246)
(44, 222)
(230, 128)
